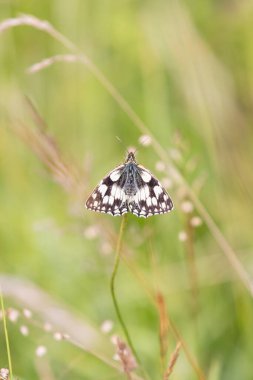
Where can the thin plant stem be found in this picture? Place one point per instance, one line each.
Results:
(6, 335)
(112, 287)
(192, 270)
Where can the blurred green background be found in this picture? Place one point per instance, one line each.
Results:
(186, 68)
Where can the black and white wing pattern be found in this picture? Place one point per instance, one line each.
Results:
(150, 198)
(109, 197)
(130, 188)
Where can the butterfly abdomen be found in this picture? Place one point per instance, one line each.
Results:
(130, 186)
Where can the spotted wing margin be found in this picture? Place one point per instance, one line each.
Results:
(151, 198)
(109, 197)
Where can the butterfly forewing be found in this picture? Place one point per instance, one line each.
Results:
(109, 197)
(130, 188)
(151, 198)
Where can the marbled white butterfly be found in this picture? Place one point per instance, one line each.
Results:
(130, 188)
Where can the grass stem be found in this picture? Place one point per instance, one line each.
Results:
(112, 287)
(6, 335)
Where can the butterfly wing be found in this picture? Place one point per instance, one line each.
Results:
(109, 197)
(151, 198)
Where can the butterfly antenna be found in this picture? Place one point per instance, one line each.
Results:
(121, 142)
(128, 149)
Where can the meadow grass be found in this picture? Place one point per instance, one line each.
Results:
(184, 288)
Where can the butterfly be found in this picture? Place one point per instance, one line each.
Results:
(130, 188)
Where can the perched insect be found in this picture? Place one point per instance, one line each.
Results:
(130, 188)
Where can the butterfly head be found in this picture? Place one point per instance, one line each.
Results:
(130, 158)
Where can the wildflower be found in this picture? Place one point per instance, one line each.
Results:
(182, 236)
(12, 314)
(58, 336)
(24, 330)
(196, 221)
(91, 232)
(41, 351)
(4, 374)
(145, 140)
(106, 326)
(27, 313)
(187, 207)
(114, 339)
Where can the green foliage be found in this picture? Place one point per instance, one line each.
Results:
(186, 70)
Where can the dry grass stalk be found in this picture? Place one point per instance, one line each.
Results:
(163, 327)
(47, 150)
(43, 25)
(172, 362)
(43, 64)
(126, 358)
